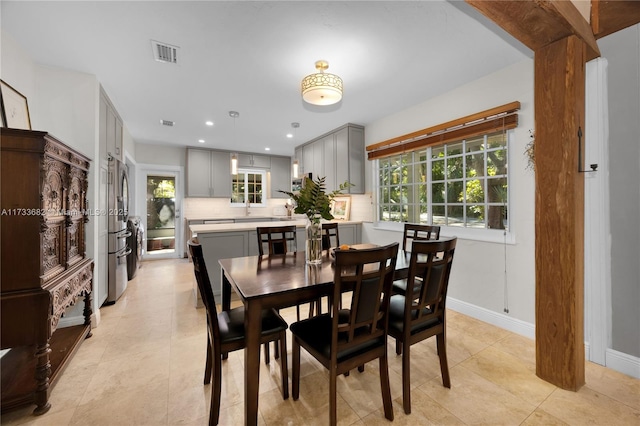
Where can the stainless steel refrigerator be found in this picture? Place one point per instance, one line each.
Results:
(118, 213)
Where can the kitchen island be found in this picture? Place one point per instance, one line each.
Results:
(239, 239)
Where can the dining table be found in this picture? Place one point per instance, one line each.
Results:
(277, 281)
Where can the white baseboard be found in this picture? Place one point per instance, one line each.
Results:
(494, 318)
(618, 361)
(624, 363)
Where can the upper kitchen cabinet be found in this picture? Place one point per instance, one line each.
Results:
(257, 161)
(110, 128)
(208, 173)
(338, 156)
(280, 176)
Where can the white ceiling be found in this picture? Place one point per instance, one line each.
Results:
(251, 57)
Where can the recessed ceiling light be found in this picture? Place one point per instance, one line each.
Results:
(289, 135)
(201, 140)
(267, 149)
(209, 123)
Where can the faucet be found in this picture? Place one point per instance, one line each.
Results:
(246, 208)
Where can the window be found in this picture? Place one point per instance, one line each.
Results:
(461, 184)
(249, 185)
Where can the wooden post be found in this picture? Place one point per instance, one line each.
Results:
(559, 219)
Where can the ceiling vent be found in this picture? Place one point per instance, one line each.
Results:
(163, 52)
(168, 123)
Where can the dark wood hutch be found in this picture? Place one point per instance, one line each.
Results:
(44, 265)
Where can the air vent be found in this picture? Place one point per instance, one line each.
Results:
(167, 123)
(163, 52)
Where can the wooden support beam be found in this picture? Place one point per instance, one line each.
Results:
(609, 16)
(537, 23)
(559, 216)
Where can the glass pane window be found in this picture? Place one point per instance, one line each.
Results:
(462, 184)
(248, 187)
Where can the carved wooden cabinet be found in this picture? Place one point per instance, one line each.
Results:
(44, 265)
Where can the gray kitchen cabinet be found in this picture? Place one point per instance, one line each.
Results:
(110, 129)
(298, 156)
(280, 176)
(349, 233)
(198, 173)
(220, 174)
(208, 173)
(338, 156)
(253, 160)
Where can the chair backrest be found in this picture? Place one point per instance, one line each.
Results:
(278, 239)
(416, 232)
(329, 230)
(204, 286)
(430, 264)
(368, 274)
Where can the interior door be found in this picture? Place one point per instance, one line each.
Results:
(163, 227)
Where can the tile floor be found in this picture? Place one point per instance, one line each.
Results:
(144, 365)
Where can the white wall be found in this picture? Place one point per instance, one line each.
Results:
(622, 51)
(478, 280)
(65, 104)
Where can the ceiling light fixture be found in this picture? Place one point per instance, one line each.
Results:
(201, 140)
(234, 157)
(209, 123)
(322, 88)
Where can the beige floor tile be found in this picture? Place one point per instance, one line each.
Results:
(140, 406)
(542, 418)
(589, 407)
(613, 384)
(127, 374)
(476, 400)
(520, 347)
(510, 373)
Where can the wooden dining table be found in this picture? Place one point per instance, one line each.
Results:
(276, 281)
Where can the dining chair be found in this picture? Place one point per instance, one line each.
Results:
(225, 333)
(276, 239)
(418, 232)
(414, 232)
(343, 339)
(418, 315)
(329, 232)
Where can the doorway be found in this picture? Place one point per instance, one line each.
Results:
(162, 213)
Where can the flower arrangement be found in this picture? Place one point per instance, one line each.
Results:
(313, 201)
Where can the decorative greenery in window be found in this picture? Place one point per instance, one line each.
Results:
(248, 185)
(464, 184)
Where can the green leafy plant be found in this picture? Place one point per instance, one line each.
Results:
(313, 201)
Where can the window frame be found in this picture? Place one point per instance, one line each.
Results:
(473, 233)
(246, 172)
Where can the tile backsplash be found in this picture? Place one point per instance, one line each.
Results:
(196, 208)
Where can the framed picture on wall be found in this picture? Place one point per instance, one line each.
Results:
(341, 207)
(14, 108)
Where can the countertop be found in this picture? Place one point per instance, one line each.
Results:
(251, 226)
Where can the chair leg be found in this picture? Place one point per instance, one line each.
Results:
(284, 372)
(214, 411)
(333, 399)
(208, 362)
(267, 357)
(406, 378)
(276, 350)
(361, 368)
(398, 347)
(295, 369)
(386, 388)
(444, 365)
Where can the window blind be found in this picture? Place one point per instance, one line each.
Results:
(495, 119)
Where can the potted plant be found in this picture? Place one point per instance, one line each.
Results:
(315, 203)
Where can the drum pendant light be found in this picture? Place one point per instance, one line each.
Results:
(322, 88)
